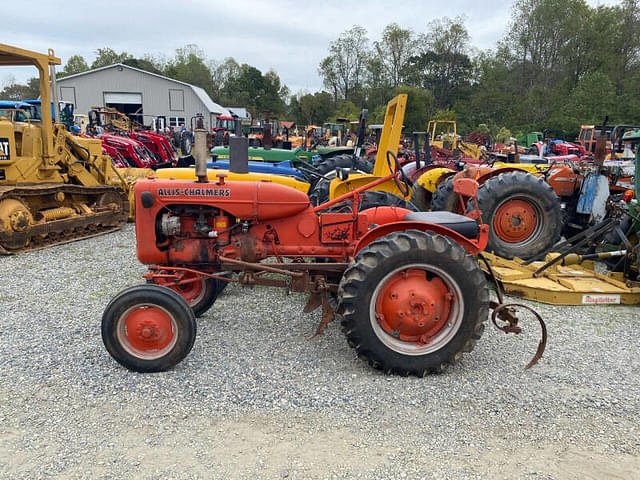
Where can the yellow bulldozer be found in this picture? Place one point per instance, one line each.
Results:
(54, 187)
(444, 134)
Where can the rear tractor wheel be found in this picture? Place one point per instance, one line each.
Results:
(445, 199)
(523, 213)
(148, 328)
(413, 302)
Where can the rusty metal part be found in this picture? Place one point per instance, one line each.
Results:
(507, 313)
(514, 328)
(317, 298)
(156, 268)
(328, 315)
(314, 301)
(257, 266)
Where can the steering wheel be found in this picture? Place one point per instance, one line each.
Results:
(402, 182)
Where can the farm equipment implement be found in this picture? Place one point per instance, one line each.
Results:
(407, 286)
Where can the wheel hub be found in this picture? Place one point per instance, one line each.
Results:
(515, 221)
(413, 307)
(149, 328)
(19, 221)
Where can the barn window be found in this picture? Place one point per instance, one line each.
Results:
(176, 100)
(176, 121)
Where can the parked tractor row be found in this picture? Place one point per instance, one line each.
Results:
(346, 225)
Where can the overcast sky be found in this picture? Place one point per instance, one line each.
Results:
(291, 37)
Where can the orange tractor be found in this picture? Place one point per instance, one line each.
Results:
(407, 286)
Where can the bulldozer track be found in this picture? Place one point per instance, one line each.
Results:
(103, 219)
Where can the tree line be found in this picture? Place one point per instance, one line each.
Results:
(560, 64)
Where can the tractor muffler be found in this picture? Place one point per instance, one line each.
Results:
(201, 152)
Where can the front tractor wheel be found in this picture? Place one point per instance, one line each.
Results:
(148, 328)
(413, 302)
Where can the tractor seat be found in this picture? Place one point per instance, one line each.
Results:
(465, 226)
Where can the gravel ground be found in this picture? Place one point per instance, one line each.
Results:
(258, 398)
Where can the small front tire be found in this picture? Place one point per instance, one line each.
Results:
(148, 328)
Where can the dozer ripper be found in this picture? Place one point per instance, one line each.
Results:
(54, 187)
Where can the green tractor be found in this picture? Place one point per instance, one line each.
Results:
(529, 139)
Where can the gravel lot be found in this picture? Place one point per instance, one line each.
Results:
(258, 398)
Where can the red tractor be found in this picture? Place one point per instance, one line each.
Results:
(407, 285)
(158, 145)
(134, 152)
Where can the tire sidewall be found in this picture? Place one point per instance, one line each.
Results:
(473, 304)
(528, 187)
(154, 295)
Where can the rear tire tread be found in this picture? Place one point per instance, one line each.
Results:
(355, 282)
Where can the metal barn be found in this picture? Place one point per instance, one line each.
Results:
(140, 94)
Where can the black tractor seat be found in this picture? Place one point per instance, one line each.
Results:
(458, 223)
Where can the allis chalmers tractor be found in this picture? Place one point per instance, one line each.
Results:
(407, 286)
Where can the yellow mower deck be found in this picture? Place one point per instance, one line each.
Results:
(562, 285)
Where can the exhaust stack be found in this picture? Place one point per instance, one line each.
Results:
(201, 152)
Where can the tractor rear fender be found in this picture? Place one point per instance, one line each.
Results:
(430, 179)
(483, 178)
(474, 247)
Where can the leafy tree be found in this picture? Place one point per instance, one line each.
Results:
(420, 107)
(343, 70)
(394, 52)
(16, 91)
(314, 109)
(443, 65)
(108, 56)
(585, 107)
(503, 135)
(188, 65)
(626, 43)
(347, 110)
(146, 63)
(75, 64)
(223, 74)
(377, 88)
(263, 95)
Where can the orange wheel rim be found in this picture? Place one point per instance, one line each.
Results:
(415, 310)
(192, 290)
(190, 287)
(515, 221)
(147, 331)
